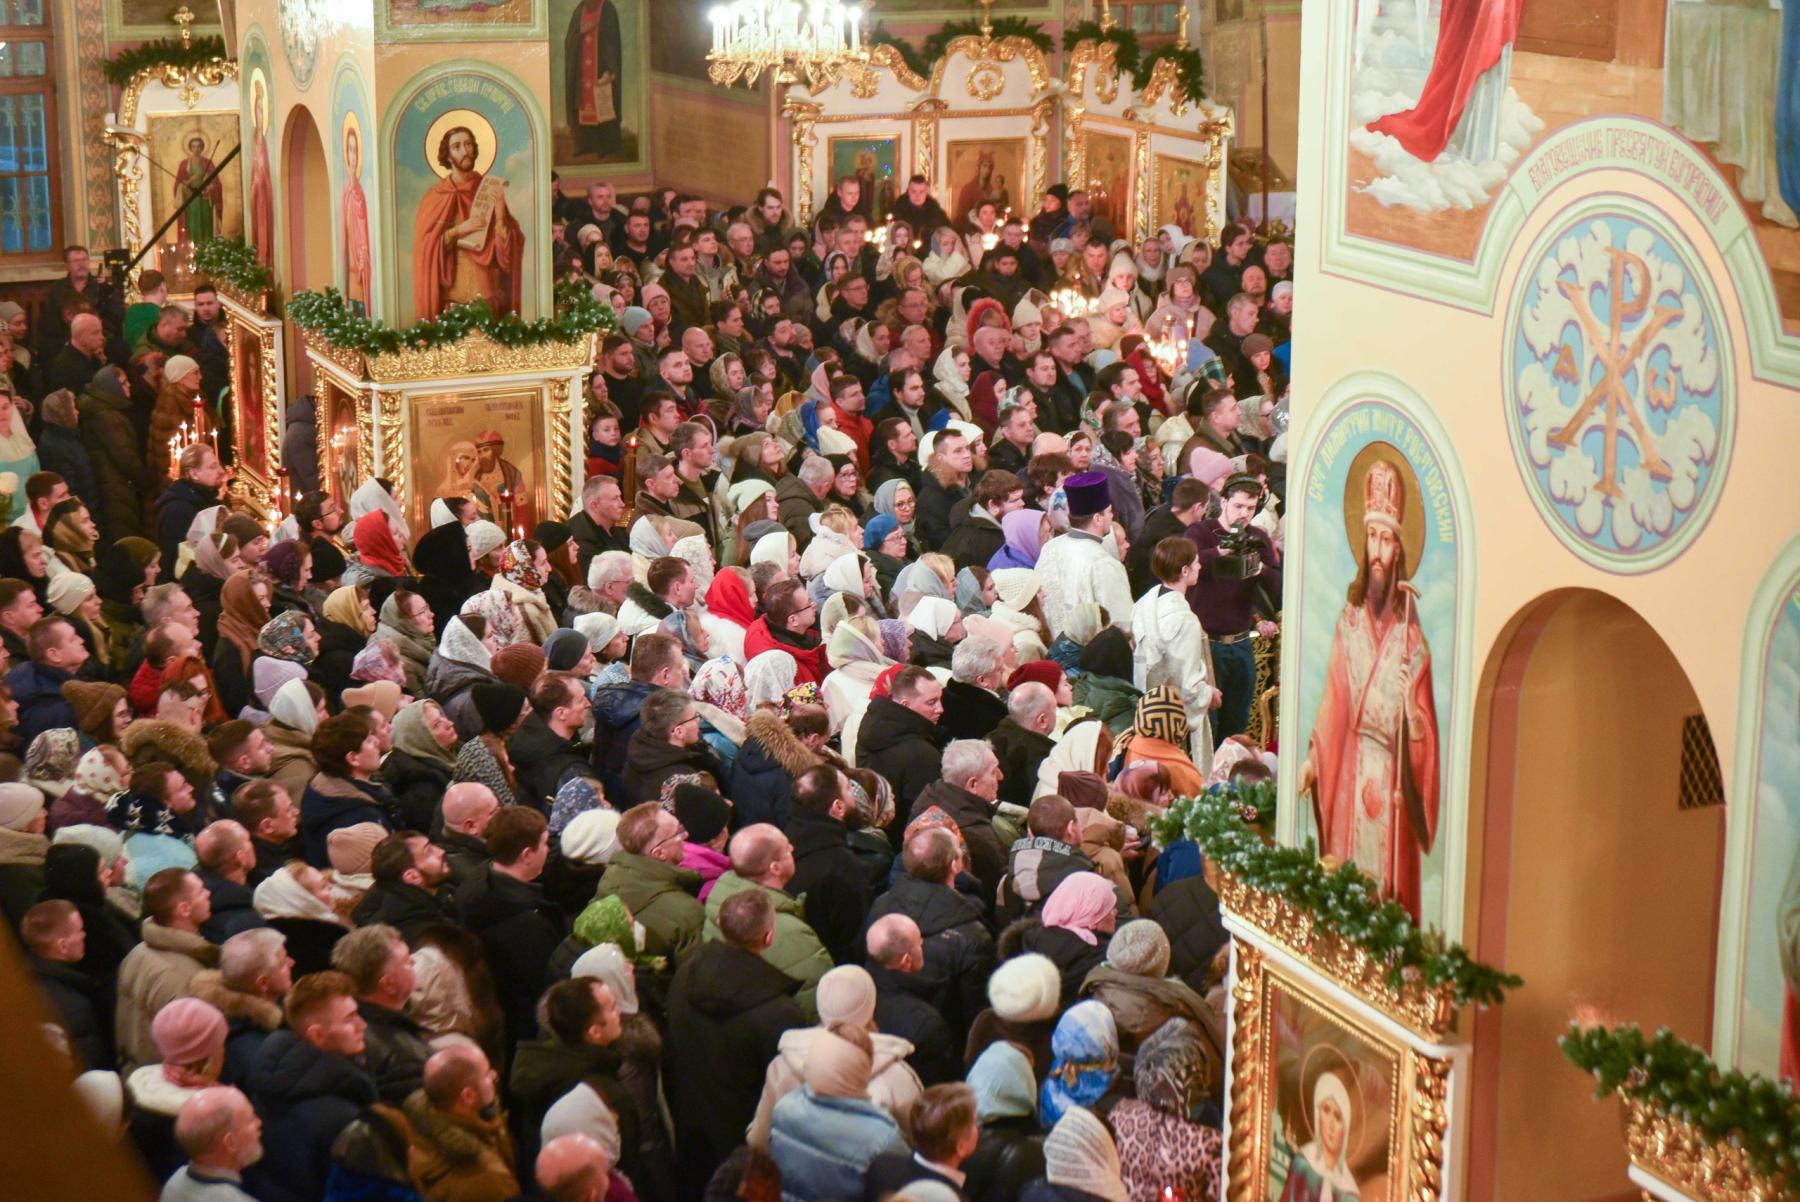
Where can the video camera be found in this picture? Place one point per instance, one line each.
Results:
(1240, 557)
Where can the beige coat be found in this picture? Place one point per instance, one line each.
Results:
(893, 1085)
(155, 973)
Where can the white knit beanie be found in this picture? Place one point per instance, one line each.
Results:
(582, 1111)
(1025, 989)
(1141, 948)
(1080, 1153)
(591, 836)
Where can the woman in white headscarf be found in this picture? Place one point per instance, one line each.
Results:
(947, 261)
(950, 381)
(698, 554)
(856, 659)
(1018, 608)
(937, 627)
(779, 548)
(769, 677)
(1321, 1170)
(463, 660)
(1083, 747)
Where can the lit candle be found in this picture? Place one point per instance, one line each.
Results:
(853, 15)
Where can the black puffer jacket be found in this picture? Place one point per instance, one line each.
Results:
(903, 747)
(959, 947)
(305, 1098)
(1010, 1155)
(974, 819)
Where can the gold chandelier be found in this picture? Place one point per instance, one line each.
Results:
(811, 40)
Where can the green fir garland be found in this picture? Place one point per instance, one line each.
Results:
(1190, 69)
(233, 261)
(163, 52)
(329, 316)
(1125, 57)
(1343, 901)
(909, 54)
(1753, 1113)
(1004, 27)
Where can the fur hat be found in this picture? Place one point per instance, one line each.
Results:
(847, 995)
(1141, 948)
(519, 664)
(1025, 989)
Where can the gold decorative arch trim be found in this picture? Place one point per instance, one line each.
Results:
(992, 50)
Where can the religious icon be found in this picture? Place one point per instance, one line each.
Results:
(1329, 1120)
(466, 242)
(980, 171)
(262, 179)
(874, 163)
(353, 208)
(478, 447)
(247, 390)
(1107, 159)
(1180, 195)
(1372, 765)
(202, 197)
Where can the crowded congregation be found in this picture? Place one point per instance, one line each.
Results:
(774, 822)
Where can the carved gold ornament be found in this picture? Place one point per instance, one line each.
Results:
(1678, 1154)
(1102, 57)
(865, 79)
(986, 81)
(993, 50)
(801, 119)
(1428, 1012)
(393, 439)
(474, 355)
(562, 451)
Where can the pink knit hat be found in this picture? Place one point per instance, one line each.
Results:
(188, 1031)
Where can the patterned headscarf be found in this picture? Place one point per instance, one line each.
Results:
(1160, 715)
(896, 639)
(379, 660)
(1171, 1072)
(517, 564)
(1084, 1059)
(578, 795)
(719, 683)
(769, 675)
(50, 761)
(96, 776)
(285, 638)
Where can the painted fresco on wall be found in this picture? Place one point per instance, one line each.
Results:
(1441, 112)
(156, 18)
(259, 179)
(300, 24)
(356, 259)
(1381, 573)
(680, 39)
(597, 83)
(479, 446)
(982, 170)
(465, 181)
(1180, 194)
(1106, 157)
(1619, 386)
(429, 15)
(1335, 1108)
(1768, 1016)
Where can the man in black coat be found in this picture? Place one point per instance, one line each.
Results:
(583, 1023)
(967, 792)
(979, 668)
(958, 943)
(1038, 863)
(543, 749)
(596, 527)
(731, 1007)
(378, 962)
(900, 737)
(307, 1087)
(466, 810)
(1186, 507)
(906, 999)
(1022, 740)
(409, 871)
(518, 925)
(55, 941)
(827, 874)
(977, 536)
(196, 489)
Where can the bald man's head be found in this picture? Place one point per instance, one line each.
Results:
(459, 1081)
(761, 853)
(573, 1168)
(217, 1127)
(895, 942)
(86, 334)
(219, 845)
(468, 806)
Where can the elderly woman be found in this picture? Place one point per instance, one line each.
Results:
(1160, 1143)
(1159, 733)
(523, 570)
(423, 762)
(1069, 928)
(463, 660)
(1084, 1061)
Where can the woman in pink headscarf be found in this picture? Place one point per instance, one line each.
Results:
(1078, 918)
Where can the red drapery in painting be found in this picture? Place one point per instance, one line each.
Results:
(1471, 36)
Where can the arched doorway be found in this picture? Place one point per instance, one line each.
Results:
(1599, 884)
(306, 178)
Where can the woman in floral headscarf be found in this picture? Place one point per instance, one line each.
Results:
(523, 569)
(1160, 1144)
(289, 636)
(1084, 1061)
